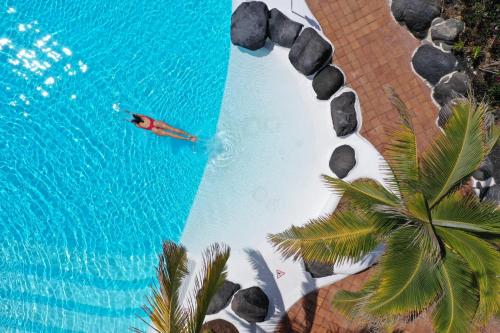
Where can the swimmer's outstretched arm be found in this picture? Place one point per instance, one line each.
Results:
(137, 114)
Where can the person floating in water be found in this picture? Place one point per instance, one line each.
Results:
(159, 127)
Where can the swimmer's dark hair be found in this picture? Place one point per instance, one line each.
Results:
(137, 119)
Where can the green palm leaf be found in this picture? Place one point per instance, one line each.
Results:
(164, 309)
(402, 152)
(408, 283)
(349, 302)
(484, 262)
(456, 153)
(467, 213)
(332, 239)
(457, 306)
(364, 193)
(211, 278)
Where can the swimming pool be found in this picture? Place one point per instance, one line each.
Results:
(86, 198)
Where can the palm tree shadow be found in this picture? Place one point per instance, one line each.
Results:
(249, 327)
(266, 280)
(310, 301)
(278, 319)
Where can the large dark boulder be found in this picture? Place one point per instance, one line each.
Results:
(342, 161)
(344, 114)
(317, 269)
(249, 25)
(327, 82)
(219, 326)
(432, 64)
(485, 170)
(446, 31)
(446, 90)
(417, 15)
(493, 194)
(310, 52)
(251, 304)
(222, 297)
(282, 30)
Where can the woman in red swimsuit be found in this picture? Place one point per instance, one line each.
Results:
(160, 128)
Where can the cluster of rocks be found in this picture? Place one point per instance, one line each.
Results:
(251, 304)
(252, 23)
(433, 61)
(440, 68)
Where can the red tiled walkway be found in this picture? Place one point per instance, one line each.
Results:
(315, 314)
(374, 50)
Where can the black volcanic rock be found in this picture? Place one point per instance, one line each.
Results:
(327, 82)
(493, 194)
(222, 297)
(282, 30)
(342, 161)
(317, 269)
(485, 170)
(417, 15)
(344, 114)
(310, 52)
(456, 86)
(446, 30)
(432, 64)
(251, 304)
(249, 25)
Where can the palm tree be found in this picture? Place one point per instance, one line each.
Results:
(440, 243)
(164, 308)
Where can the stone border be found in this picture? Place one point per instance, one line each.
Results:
(307, 51)
(453, 84)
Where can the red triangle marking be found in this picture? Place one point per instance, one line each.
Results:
(279, 273)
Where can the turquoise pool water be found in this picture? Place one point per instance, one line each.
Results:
(85, 197)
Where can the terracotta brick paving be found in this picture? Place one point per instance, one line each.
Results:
(374, 50)
(315, 314)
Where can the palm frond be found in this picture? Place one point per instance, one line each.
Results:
(484, 261)
(362, 192)
(457, 306)
(408, 284)
(163, 308)
(456, 153)
(350, 303)
(333, 239)
(402, 152)
(207, 283)
(466, 212)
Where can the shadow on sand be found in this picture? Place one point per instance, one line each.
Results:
(262, 52)
(278, 319)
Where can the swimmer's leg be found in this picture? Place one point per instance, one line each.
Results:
(166, 126)
(161, 132)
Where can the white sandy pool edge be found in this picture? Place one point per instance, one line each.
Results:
(285, 291)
